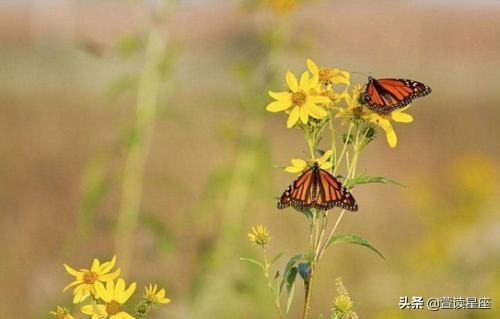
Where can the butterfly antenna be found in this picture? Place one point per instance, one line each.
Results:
(361, 73)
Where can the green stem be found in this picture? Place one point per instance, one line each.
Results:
(334, 144)
(307, 301)
(147, 99)
(344, 148)
(270, 284)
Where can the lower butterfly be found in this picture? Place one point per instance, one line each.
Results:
(317, 188)
(386, 95)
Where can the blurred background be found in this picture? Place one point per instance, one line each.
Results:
(100, 153)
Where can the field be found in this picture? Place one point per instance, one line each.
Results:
(75, 159)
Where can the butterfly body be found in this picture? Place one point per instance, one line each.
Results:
(317, 188)
(386, 95)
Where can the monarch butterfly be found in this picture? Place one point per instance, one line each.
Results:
(386, 95)
(317, 188)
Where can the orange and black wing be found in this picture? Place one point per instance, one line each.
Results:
(300, 192)
(317, 188)
(386, 95)
(331, 193)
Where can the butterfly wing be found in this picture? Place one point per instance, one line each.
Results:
(386, 95)
(317, 188)
(300, 192)
(331, 193)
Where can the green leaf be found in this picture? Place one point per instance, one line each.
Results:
(360, 179)
(277, 288)
(277, 257)
(304, 270)
(290, 286)
(291, 263)
(352, 239)
(290, 278)
(255, 262)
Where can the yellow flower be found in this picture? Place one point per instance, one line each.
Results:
(61, 313)
(86, 279)
(259, 235)
(154, 297)
(298, 165)
(114, 298)
(384, 122)
(282, 6)
(354, 109)
(300, 98)
(328, 76)
(342, 304)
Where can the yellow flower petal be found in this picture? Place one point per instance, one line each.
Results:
(74, 283)
(392, 139)
(92, 310)
(111, 276)
(313, 82)
(299, 163)
(122, 315)
(315, 111)
(291, 81)
(325, 157)
(293, 169)
(304, 80)
(304, 116)
(103, 292)
(278, 106)
(313, 67)
(401, 117)
(71, 271)
(283, 95)
(384, 124)
(125, 295)
(81, 293)
(161, 293)
(107, 266)
(293, 117)
(326, 165)
(95, 265)
(318, 99)
(119, 289)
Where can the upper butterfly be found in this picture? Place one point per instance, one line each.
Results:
(317, 188)
(386, 95)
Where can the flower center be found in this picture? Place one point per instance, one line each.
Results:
(325, 74)
(113, 307)
(299, 98)
(90, 277)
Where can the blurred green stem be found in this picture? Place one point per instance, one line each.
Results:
(146, 105)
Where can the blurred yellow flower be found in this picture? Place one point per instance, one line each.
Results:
(299, 165)
(342, 304)
(259, 235)
(384, 122)
(154, 297)
(61, 313)
(300, 98)
(328, 76)
(282, 6)
(86, 279)
(114, 298)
